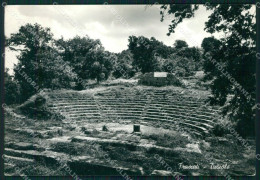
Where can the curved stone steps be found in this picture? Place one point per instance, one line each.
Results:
(62, 98)
(70, 102)
(187, 114)
(184, 104)
(68, 95)
(182, 98)
(90, 106)
(161, 105)
(118, 105)
(201, 110)
(186, 123)
(199, 113)
(79, 110)
(172, 119)
(185, 117)
(84, 114)
(73, 106)
(121, 98)
(72, 98)
(122, 102)
(191, 113)
(123, 113)
(77, 118)
(124, 116)
(193, 103)
(200, 122)
(125, 109)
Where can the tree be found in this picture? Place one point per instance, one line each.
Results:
(123, 66)
(210, 47)
(193, 54)
(178, 65)
(100, 66)
(146, 52)
(210, 44)
(180, 44)
(29, 41)
(235, 54)
(54, 73)
(87, 57)
(39, 65)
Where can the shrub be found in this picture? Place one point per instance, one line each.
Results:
(218, 130)
(36, 107)
(221, 128)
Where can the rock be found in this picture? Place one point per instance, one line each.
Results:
(137, 128)
(23, 146)
(223, 140)
(229, 136)
(161, 173)
(205, 144)
(189, 148)
(95, 132)
(13, 158)
(193, 148)
(60, 132)
(211, 139)
(104, 128)
(83, 129)
(61, 139)
(87, 132)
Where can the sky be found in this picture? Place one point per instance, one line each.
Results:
(112, 24)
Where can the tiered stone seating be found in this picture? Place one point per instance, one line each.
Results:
(74, 106)
(123, 106)
(151, 106)
(188, 112)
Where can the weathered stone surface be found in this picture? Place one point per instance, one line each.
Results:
(223, 141)
(88, 165)
(161, 173)
(137, 128)
(60, 139)
(22, 146)
(48, 156)
(13, 158)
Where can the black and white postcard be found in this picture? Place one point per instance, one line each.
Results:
(130, 90)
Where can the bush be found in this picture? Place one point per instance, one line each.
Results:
(218, 130)
(221, 128)
(36, 107)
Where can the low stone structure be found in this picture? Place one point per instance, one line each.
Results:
(159, 79)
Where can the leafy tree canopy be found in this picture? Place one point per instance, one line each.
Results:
(87, 57)
(39, 63)
(235, 53)
(145, 52)
(180, 44)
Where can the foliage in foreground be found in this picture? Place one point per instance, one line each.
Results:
(234, 55)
